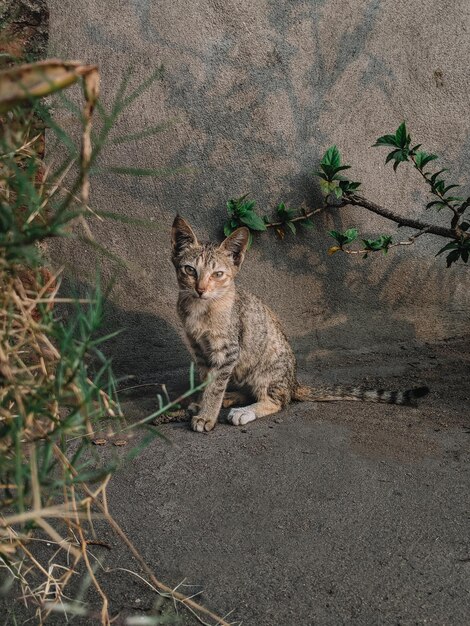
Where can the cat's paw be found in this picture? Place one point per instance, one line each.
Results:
(241, 416)
(202, 424)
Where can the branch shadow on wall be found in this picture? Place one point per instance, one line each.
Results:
(225, 114)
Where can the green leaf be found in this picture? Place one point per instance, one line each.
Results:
(446, 189)
(391, 155)
(354, 185)
(348, 186)
(331, 157)
(423, 158)
(308, 223)
(335, 234)
(344, 238)
(437, 203)
(253, 221)
(452, 257)
(433, 178)
(439, 186)
(449, 246)
(386, 140)
(284, 213)
(328, 187)
(342, 167)
(400, 158)
(291, 227)
(382, 243)
(351, 234)
(401, 136)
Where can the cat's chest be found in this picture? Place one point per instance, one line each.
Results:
(204, 327)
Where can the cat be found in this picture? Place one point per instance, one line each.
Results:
(235, 337)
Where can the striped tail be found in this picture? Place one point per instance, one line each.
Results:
(409, 397)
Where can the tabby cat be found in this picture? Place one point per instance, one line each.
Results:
(236, 338)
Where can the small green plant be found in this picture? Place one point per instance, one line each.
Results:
(241, 213)
(331, 181)
(339, 191)
(402, 151)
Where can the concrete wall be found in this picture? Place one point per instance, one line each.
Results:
(258, 90)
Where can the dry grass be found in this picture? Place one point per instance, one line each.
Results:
(48, 397)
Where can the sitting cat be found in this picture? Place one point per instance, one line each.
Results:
(237, 338)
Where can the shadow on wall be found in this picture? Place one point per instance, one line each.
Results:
(147, 351)
(150, 349)
(252, 122)
(350, 303)
(253, 109)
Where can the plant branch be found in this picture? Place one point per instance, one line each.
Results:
(299, 218)
(433, 229)
(406, 242)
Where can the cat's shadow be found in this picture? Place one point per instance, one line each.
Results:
(146, 352)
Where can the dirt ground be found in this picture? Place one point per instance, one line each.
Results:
(334, 513)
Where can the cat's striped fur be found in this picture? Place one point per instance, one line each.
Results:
(237, 338)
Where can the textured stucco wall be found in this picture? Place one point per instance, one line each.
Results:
(259, 89)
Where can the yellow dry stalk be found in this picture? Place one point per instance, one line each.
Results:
(21, 83)
(28, 358)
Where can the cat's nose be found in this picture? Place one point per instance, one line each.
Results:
(200, 290)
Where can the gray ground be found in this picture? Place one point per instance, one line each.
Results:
(340, 513)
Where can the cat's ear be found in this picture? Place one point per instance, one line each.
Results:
(182, 235)
(236, 245)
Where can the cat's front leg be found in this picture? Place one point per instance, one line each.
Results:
(212, 398)
(194, 406)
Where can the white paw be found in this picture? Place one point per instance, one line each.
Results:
(241, 416)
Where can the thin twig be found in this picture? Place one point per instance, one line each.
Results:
(299, 218)
(23, 147)
(136, 554)
(407, 242)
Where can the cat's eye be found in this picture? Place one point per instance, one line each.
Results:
(218, 274)
(190, 270)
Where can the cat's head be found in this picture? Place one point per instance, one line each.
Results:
(206, 270)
